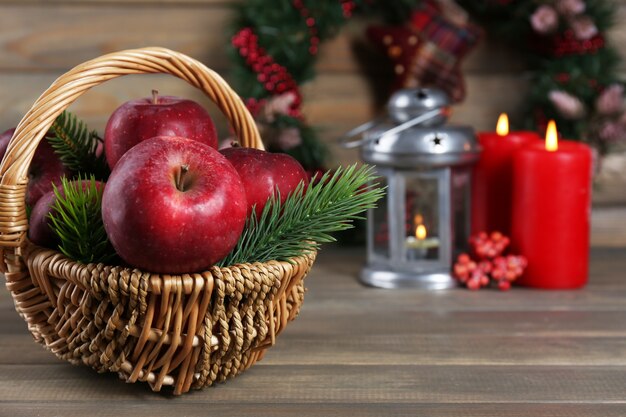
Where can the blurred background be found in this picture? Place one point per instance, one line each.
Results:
(40, 39)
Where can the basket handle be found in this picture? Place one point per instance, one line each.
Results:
(71, 85)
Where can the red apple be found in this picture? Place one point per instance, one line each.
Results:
(138, 120)
(39, 230)
(173, 205)
(45, 169)
(264, 172)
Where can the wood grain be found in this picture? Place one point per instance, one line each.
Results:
(36, 37)
(193, 409)
(36, 34)
(402, 349)
(362, 351)
(57, 37)
(334, 102)
(338, 383)
(354, 350)
(123, 3)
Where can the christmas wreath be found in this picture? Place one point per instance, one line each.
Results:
(572, 67)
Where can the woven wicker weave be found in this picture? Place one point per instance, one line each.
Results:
(185, 331)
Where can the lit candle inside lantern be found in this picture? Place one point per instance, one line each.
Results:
(551, 211)
(420, 232)
(492, 177)
(419, 244)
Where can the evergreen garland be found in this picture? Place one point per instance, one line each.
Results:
(571, 70)
(284, 30)
(288, 32)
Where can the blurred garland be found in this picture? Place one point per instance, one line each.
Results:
(573, 71)
(274, 48)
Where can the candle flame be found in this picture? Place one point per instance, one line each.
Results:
(502, 128)
(552, 137)
(420, 232)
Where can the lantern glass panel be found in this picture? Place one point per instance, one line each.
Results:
(379, 226)
(421, 225)
(461, 194)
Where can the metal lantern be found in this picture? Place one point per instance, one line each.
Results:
(424, 220)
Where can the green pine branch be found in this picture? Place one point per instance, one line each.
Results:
(76, 218)
(307, 218)
(77, 147)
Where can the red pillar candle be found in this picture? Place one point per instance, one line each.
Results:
(492, 177)
(551, 212)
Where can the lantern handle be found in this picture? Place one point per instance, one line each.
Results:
(345, 141)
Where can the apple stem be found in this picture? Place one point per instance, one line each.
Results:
(180, 177)
(155, 96)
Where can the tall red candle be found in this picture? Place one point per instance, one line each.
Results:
(551, 213)
(492, 178)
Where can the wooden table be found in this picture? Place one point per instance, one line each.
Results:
(357, 351)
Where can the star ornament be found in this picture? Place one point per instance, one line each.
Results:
(428, 50)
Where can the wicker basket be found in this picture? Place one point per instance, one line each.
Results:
(185, 331)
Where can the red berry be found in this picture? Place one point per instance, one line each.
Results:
(504, 285)
(485, 266)
(473, 285)
(463, 258)
(484, 280)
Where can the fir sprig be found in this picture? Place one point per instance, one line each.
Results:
(77, 147)
(76, 219)
(307, 217)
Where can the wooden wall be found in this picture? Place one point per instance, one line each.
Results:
(40, 39)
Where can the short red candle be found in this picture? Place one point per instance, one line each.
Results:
(492, 180)
(551, 214)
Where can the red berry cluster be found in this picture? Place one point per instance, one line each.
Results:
(506, 269)
(274, 77)
(255, 105)
(348, 6)
(489, 246)
(567, 43)
(310, 23)
(563, 77)
(471, 273)
(491, 264)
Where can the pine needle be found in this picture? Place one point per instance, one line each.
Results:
(76, 218)
(307, 218)
(77, 147)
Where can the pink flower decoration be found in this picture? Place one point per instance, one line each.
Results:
(611, 132)
(611, 101)
(584, 28)
(544, 20)
(569, 106)
(570, 7)
(289, 138)
(278, 105)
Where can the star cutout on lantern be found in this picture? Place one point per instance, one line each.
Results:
(428, 50)
(437, 141)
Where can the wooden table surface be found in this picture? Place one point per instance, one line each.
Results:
(357, 351)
